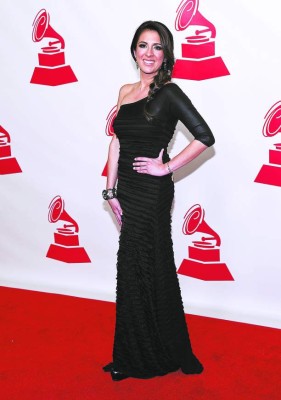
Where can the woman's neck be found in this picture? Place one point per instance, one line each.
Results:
(144, 83)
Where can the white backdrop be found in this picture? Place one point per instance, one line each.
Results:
(58, 138)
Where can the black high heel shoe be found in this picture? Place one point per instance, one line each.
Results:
(108, 367)
(117, 376)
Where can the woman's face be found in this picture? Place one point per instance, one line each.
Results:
(149, 52)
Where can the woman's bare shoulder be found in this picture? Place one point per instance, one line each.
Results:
(124, 91)
(127, 88)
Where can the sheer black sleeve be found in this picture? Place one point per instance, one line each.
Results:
(182, 109)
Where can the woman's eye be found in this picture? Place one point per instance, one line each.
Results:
(158, 47)
(142, 45)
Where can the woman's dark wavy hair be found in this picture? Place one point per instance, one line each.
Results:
(164, 74)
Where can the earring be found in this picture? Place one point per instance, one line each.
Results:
(137, 65)
(164, 65)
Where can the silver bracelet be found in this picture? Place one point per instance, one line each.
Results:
(109, 194)
(169, 169)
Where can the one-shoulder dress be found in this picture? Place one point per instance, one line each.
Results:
(151, 336)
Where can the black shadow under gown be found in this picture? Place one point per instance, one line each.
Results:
(151, 336)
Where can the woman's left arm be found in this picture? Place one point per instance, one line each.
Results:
(188, 154)
(155, 166)
(182, 109)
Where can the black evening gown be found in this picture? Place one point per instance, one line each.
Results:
(151, 336)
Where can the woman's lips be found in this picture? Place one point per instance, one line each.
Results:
(148, 62)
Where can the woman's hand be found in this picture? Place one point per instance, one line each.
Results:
(150, 166)
(117, 210)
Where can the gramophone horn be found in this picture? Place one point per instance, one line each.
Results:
(194, 222)
(272, 124)
(185, 13)
(42, 28)
(192, 219)
(198, 19)
(188, 14)
(110, 119)
(57, 212)
(55, 209)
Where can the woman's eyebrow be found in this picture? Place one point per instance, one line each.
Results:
(147, 43)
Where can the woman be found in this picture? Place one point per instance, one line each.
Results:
(151, 336)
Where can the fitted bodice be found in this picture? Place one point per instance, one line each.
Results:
(139, 137)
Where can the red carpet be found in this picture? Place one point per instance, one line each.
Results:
(53, 347)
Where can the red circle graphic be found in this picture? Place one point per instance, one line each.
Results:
(40, 24)
(56, 207)
(272, 124)
(185, 13)
(192, 219)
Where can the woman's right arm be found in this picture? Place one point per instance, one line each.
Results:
(112, 169)
(112, 162)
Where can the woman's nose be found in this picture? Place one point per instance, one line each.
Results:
(149, 51)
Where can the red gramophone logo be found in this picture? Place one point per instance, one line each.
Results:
(270, 174)
(109, 130)
(8, 164)
(52, 70)
(198, 50)
(66, 247)
(203, 260)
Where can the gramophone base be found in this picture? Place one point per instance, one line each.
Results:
(68, 254)
(199, 70)
(9, 166)
(205, 271)
(53, 76)
(269, 175)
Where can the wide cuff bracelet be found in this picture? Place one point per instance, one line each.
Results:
(109, 194)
